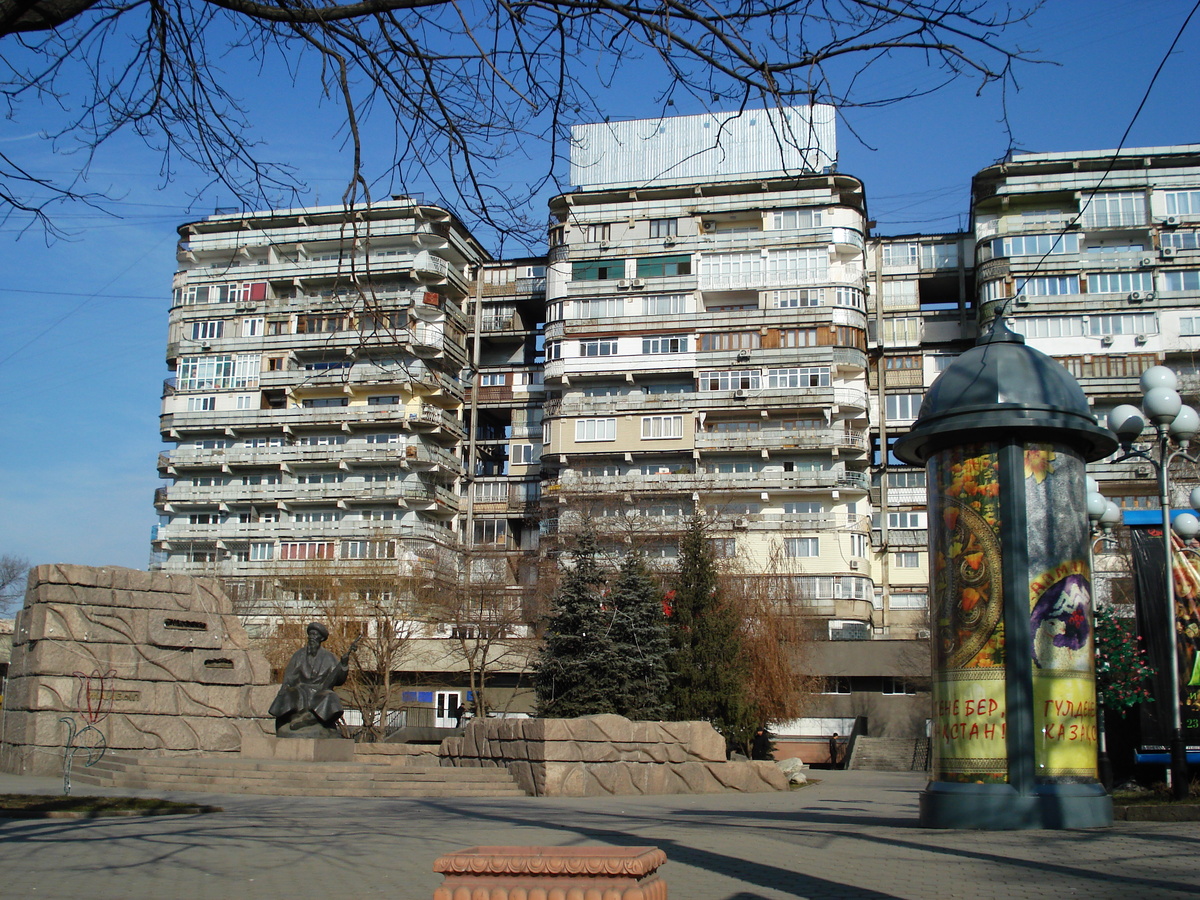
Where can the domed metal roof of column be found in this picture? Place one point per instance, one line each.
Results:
(1000, 386)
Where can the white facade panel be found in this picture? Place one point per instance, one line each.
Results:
(704, 148)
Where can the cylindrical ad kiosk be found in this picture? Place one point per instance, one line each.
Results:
(1005, 433)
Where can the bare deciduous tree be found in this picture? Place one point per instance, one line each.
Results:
(469, 86)
(13, 571)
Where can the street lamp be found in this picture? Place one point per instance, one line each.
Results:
(1172, 421)
(1104, 514)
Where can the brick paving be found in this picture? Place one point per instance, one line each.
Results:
(853, 836)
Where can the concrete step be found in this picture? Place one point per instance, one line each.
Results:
(235, 774)
(890, 754)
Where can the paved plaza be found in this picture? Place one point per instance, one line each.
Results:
(852, 836)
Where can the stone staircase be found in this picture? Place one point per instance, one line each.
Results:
(230, 774)
(881, 754)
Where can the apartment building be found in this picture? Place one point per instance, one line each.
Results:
(315, 409)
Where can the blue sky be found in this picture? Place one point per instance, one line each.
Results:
(81, 356)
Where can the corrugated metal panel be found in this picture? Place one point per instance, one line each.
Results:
(707, 147)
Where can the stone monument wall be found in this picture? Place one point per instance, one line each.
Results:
(604, 755)
(131, 661)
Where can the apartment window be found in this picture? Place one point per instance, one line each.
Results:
(798, 265)
(903, 406)
(383, 515)
(723, 548)
(221, 371)
(252, 327)
(278, 326)
(906, 560)
(893, 686)
(859, 545)
(601, 231)
(906, 478)
(663, 266)
(313, 516)
(553, 350)
(492, 379)
(804, 508)
(490, 531)
(939, 256)
(902, 363)
(1048, 326)
(792, 338)
(325, 402)
(382, 477)
(665, 304)
(262, 550)
(907, 330)
(802, 547)
(1182, 203)
(321, 440)
(663, 228)
(836, 684)
(901, 254)
(851, 297)
(747, 379)
(910, 600)
(491, 491)
(204, 518)
(598, 348)
(246, 401)
(319, 324)
(595, 430)
(800, 424)
(899, 294)
(1119, 282)
(941, 362)
(1181, 240)
(741, 467)
(1189, 326)
(384, 400)
(798, 299)
(1036, 244)
(306, 550)
(383, 437)
(809, 376)
(731, 340)
(906, 520)
(784, 219)
(224, 293)
(368, 549)
(207, 331)
(598, 270)
(1130, 323)
(1049, 285)
(662, 427)
(746, 264)
(599, 308)
(1115, 209)
(263, 442)
(201, 404)
(733, 427)
(258, 478)
(1185, 280)
(665, 343)
(320, 477)
(545, 433)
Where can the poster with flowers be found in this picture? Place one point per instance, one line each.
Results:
(969, 728)
(1060, 616)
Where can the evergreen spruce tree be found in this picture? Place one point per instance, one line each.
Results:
(573, 673)
(640, 641)
(708, 671)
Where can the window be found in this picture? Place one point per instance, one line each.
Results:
(665, 304)
(749, 379)
(1119, 282)
(795, 218)
(1181, 240)
(939, 256)
(906, 520)
(663, 266)
(262, 442)
(490, 531)
(809, 376)
(731, 340)
(252, 327)
(836, 684)
(320, 440)
(901, 254)
(311, 516)
(1182, 203)
(491, 491)
(663, 228)
(1185, 280)
(906, 478)
(1036, 244)
(383, 515)
(902, 330)
(598, 348)
(792, 338)
(899, 294)
(903, 406)
(906, 560)
(598, 270)
(246, 401)
(384, 400)
(368, 549)
(492, 379)
(261, 478)
(207, 331)
(745, 265)
(723, 547)
(1114, 209)
(595, 430)
(325, 402)
(209, 518)
(910, 600)
(201, 404)
(320, 477)
(598, 308)
(1048, 326)
(893, 686)
(319, 324)
(859, 545)
(662, 427)
(665, 343)
(1189, 326)
(222, 371)
(223, 293)
(1049, 285)
(306, 550)
(1129, 323)
(601, 231)
(797, 299)
(798, 265)
(800, 547)
(849, 296)
(262, 550)
(384, 438)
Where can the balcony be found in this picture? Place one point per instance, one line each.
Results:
(781, 439)
(706, 482)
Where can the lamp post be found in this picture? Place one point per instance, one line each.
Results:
(1172, 421)
(1104, 515)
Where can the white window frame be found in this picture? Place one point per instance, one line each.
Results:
(802, 547)
(590, 430)
(662, 428)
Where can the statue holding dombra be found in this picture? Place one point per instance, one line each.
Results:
(307, 705)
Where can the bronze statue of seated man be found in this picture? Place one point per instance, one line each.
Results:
(307, 705)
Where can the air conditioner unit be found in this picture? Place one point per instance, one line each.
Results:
(741, 523)
(1141, 339)
(1171, 220)
(854, 563)
(1146, 261)
(623, 284)
(1020, 300)
(1137, 297)
(707, 226)
(1167, 252)
(741, 393)
(922, 632)
(1107, 340)
(669, 242)
(638, 283)
(604, 245)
